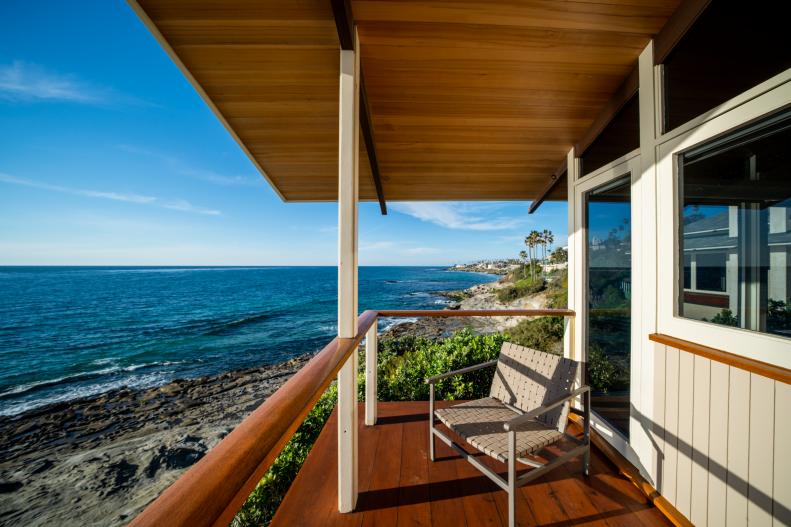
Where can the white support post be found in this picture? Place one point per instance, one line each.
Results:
(645, 439)
(572, 341)
(348, 190)
(371, 345)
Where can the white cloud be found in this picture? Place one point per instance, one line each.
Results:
(171, 204)
(461, 216)
(180, 167)
(25, 82)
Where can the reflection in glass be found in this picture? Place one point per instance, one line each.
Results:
(608, 213)
(735, 229)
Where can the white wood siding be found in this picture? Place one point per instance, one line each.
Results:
(724, 441)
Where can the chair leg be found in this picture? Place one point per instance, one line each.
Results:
(511, 479)
(431, 422)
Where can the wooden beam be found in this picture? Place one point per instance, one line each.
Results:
(556, 178)
(370, 145)
(619, 99)
(344, 22)
(676, 26)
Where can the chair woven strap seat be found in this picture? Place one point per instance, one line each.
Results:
(480, 423)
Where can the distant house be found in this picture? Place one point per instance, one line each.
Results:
(713, 277)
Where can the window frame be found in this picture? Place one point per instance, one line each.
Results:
(760, 346)
(627, 164)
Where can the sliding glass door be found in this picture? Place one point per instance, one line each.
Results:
(608, 258)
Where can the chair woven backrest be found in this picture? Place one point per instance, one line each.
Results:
(526, 379)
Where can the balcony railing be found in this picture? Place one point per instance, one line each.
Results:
(214, 489)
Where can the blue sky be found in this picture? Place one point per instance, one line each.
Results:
(109, 157)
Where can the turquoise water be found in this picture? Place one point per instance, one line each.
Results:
(68, 332)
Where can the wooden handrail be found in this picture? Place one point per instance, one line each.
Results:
(214, 489)
(764, 369)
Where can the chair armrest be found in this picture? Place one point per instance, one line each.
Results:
(532, 414)
(435, 378)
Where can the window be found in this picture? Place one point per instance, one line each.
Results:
(609, 267)
(729, 49)
(735, 228)
(710, 271)
(617, 139)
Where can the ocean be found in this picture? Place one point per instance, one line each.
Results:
(69, 332)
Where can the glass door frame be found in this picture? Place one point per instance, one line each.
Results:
(626, 165)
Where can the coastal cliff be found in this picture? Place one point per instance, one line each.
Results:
(482, 296)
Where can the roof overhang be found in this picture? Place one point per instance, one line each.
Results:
(468, 100)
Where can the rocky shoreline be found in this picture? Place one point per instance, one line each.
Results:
(101, 460)
(481, 296)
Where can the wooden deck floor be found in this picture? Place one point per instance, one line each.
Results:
(400, 486)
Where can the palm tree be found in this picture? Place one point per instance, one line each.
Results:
(523, 256)
(529, 244)
(531, 241)
(547, 238)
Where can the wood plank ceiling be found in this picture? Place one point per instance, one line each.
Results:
(470, 99)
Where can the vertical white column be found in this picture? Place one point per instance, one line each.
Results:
(371, 345)
(572, 335)
(573, 341)
(348, 138)
(646, 435)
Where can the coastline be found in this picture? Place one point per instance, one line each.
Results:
(481, 296)
(100, 460)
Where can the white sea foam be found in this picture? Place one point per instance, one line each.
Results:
(387, 323)
(23, 388)
(140, 382)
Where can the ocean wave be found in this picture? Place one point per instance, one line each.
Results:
(222, 327)
(22, 389)
(387, 323)
(141, 382)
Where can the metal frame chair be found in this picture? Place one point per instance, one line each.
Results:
(527, 410)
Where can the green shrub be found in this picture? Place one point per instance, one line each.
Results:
(557, 289)
(778, 316)
(402, 375)
(544, 334)
(520, 288)
(261, 505)
(602, 373)
(726, 318)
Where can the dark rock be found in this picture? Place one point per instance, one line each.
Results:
(182, 455)
(119, 476)
(41, 466)
(7, 487)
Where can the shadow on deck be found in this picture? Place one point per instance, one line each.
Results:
(400, 486)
